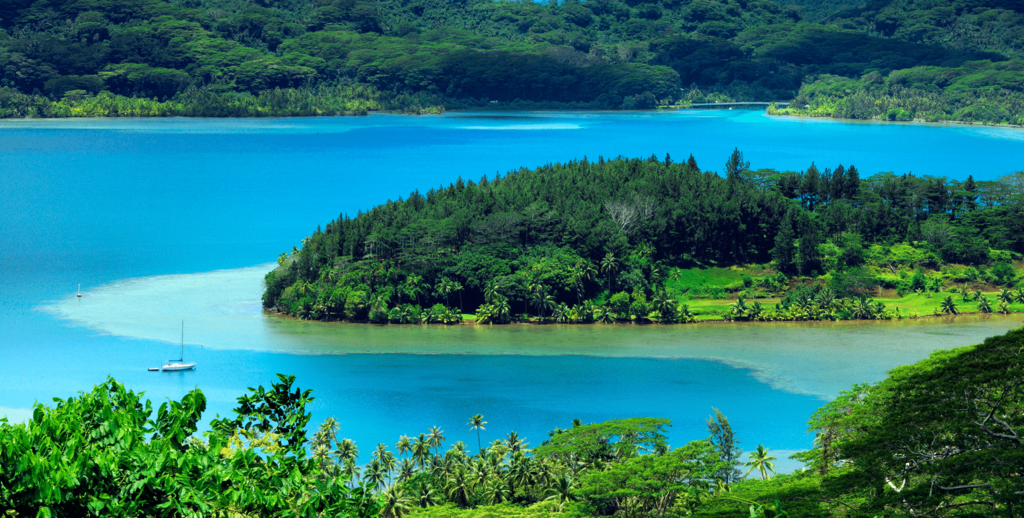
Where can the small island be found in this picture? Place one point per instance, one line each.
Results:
(658, 241)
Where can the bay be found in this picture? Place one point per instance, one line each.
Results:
(145, 213)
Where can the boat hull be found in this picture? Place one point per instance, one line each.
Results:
(177, 367)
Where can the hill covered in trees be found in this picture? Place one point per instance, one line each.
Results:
(291, 57)
(608, 239)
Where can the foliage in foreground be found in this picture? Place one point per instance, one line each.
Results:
(105, 453)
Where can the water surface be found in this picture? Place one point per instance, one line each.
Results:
(162, 220)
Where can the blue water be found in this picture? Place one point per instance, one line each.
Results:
(97, 201)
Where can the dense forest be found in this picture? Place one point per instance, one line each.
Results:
(609, 240)
(65, 58)
(937, 438)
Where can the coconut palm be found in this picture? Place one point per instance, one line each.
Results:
(609, 265)
(983, 304)
(347, 450)
(394, 503)
(1019, 294)
(421, 449)
(948, 306)
(350, 470)
(456, 286)
(761, 461)
(1006, 296)
(664, 303)
(491, 291)
(477, 423)
(459, 488)
(404, 445)
(436, 438)
(374, 475)
(739, 308)
(604, 316)
(502, 309)
(494, 491)
(406, 470)
(427, 497)
(514, 443)
(561, 491)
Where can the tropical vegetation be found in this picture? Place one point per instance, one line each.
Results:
(88, 58)
(631, 240)
(938, 438)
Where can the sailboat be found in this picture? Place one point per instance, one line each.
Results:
(179, 364)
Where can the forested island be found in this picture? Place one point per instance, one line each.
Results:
(952, 60)
(937, 438)
(658, 241)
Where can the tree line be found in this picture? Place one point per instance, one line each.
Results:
(431, 54)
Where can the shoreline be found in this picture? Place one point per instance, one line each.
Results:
(713, 321)
(659, 109)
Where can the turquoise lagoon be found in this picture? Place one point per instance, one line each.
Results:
(165, 220)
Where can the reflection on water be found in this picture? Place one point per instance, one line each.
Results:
(222, 310)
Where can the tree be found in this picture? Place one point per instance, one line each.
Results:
(948, 306)
(607, 441)
(784, 253)
(649, 484)
(940, 434)
(808, 258)
(477, 423)
(279, 411)
(725, 443)
(736, 166)
(761, 461)
(99, 454)
(609, 265)
(394, 502)
(436, 437)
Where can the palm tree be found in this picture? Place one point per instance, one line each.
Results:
(421, 449)
(404, 445)
(604, 316)
(436, 437)
(514, 443)
(609, 265)
(394, 503)
(983, 304)
(459, 488)
(948, 306)
(1019, 294)
(444, 288)
(350, 470)
(456, 286)
(427, 497)
(760, 460)
(406, 470)
(347, 450)
(414, 286)
(374, 475)
(502, 309)
(491, 291)
(561, 491)
(494, 491)
(1005, 295)
(477, 423)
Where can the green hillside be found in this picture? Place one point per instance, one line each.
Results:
(63, 58)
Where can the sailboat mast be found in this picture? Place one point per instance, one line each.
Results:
(182, 355)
